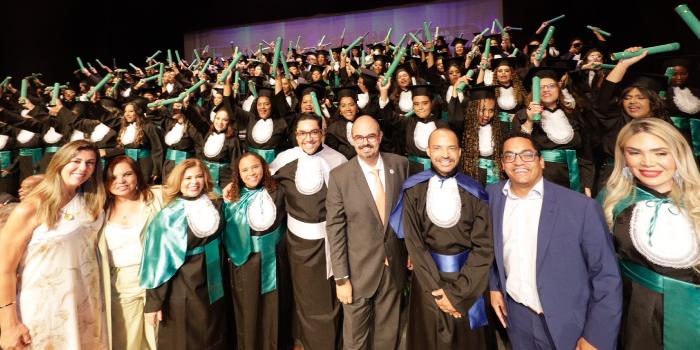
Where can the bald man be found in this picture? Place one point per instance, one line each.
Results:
(369, 261)
(444, 217)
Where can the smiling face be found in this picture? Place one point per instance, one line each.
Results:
(444, 151)
(636, 104)
(192, 182)
(221, 121)
(377, 66)
(594, 57)
(549, 90)
(649, 159)
(307, 104)
(308, 135)
(521, 173)
(79, 169)
(504, 75)
(264, 106)
(348, 108)
(366, 138)
(403, 79)
(129, 113)
(680, 76)
(125, 181)
(251, 171)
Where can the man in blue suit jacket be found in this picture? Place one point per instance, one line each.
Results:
(555, 283)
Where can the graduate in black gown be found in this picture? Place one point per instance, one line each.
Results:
(255, 241)
(181, 268)
(339, 131)
(445, 220)
(302, 172)
(142, 141)
(650, 203)
(683, 101)
(181, 138)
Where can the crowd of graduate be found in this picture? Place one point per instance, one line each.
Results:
(221, 203)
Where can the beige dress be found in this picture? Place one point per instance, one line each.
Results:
(59, 283)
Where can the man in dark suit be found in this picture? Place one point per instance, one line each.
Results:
(555, 283)
(369, 261)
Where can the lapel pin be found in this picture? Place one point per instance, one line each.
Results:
(391, 171)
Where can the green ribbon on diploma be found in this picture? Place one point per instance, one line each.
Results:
(267, 154)
(681, 304)
(568, 157)
(425, 161)
(491, 170)
(165, 250)
(239, 243)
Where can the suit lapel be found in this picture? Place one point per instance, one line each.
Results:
(547, 217)
(499, 205)
(390, 187)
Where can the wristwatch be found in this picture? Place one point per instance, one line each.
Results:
(341, 281)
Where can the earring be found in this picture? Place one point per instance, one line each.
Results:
(678, 179)
(627, 174)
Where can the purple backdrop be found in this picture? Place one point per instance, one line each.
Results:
(453, 18)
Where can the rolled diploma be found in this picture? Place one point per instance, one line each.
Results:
(536, 95)
(652, 50)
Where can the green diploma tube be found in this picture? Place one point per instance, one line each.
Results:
(99, 85)
(604, 66)
(286, 68)
(515, 52)
(55, 92)
(5, 81)
(276, 57)
(170, 57)
(237, 78)
(598, 30)
(90, 66)
(555, 19)
(161, 70)
(153, 66)
(253, 90)
(545, 42)
(192, 89)
(164, 102)
(426, 31)
(487, 49)
(388, 34)
(536, 98)
(689, 18)
(114, 87)
(177, 56)
(231, 66)
(414, 38)
(153, 57)
(394, 65)
(400, 44)
(196, 54)
(410, 113)
(80, 63)
(100, 63)
(151, 78)
(669, 73)
(260, 54)
(317, 107)
(353, 44)
(23, 90)
(499, 25)
(652, 50)
(206, 65)
(133, 66)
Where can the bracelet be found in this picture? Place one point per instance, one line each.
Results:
(8, 304)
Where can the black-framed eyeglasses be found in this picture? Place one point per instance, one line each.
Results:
(371, 138)
(313, 133)
(526, 156)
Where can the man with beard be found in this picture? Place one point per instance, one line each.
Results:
(368, 259)
(444, 217)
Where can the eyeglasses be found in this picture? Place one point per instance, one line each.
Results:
(313, 133)
(371, 138)
(551, 86)
(526, 156)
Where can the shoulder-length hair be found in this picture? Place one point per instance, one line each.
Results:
(142, 188)
(50, 190)
(657, 108)
(230, 130)
(172, 185)
(685, 194)
(267, 181)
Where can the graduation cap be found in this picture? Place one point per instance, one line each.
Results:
(422, 90)
(305, 89)
(441, 48)
(542, 72)
(482, 92)
(338, 49)
(383, 58)
(406, 66)
(346, 91)
(149, 89)
(265, 91)
(459, 40)
(504, 61)
(369, 76)
(653, 82)
(322, 52)
(692, 62)
(457, 62)
(315, 67)
(378, 45)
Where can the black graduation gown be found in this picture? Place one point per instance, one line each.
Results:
(152, 140)
(189, 320)
(280, 129)
(406, 126)
(428, 326)
(8, 182)
(190, 142)
(263, 322)
(643, 309)
(336, 137)
(25, 125)
(317, 308)
(673, 111)
(557, 172)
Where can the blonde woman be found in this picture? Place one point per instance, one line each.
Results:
(131, 206)
(49, 274)
(181, 263)
(652, 206)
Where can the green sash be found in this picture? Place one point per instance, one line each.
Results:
(491, 170)
(267, 154)
(694, 125)
(681, 304)
(215, 171)
(51, 149)
(176, 156)
(5, 160)
(568, 157)
(504, 117)
(137, 153)
(35, 153)
(165, 251)
(239, 243)
(425, 161)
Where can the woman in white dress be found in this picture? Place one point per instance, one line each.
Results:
(131, 206)
(49, 275)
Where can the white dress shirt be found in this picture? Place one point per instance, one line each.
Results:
(520, 227)
(369, 175)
